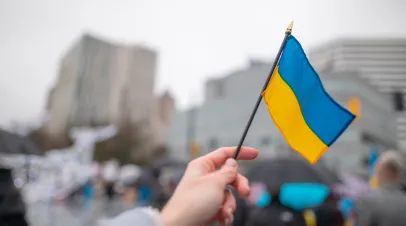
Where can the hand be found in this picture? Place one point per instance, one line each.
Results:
(201, 197)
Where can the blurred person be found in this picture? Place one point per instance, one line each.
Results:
(130, 196)
(109, 173)
(162, 180)
(127, 185)
(88, 202)
(168, 180)
(12, 206)
(201, 198)
(385, 205)
(88, 192)
(110, 191)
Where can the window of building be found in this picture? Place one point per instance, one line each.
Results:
(265, 141)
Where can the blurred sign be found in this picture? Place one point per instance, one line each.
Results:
(354, 106)
(194, 150)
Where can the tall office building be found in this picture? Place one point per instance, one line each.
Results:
(380, 62)
(102, 83)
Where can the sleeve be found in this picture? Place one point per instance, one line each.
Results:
(137, 216)
(364, 213)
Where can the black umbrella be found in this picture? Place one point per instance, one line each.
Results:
(275, 172)
(15, 144)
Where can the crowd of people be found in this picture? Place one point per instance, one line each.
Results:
(198, 194)
(210, 190)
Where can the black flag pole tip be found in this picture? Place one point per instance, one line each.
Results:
(254, 111)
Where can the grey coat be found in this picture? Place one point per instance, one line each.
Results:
(383, 207)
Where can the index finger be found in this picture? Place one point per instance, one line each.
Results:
(220, 156)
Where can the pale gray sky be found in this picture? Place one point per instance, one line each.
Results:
(196, 39)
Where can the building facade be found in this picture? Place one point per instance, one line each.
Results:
(159, 120)
(229, 100)
(381, 62)
(102, 83)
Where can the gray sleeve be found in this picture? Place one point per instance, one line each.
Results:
(134, 217)
(364, 213)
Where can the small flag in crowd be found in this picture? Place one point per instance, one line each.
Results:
(307, 116)
(373, 159)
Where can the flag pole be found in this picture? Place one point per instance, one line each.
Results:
(254, 111)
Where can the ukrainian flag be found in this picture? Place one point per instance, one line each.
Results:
(309, 119)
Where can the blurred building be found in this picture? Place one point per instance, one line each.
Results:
(373, 129)
(164, 107)
(229, 100)
(381, 62)
(103, 83)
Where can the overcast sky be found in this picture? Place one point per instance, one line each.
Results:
(196, 39)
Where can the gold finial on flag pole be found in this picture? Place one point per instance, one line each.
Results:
(289, 29)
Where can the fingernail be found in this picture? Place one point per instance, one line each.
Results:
(231, 162)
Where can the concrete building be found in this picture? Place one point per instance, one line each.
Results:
(381, 62)
(102, 83)
(220, 120)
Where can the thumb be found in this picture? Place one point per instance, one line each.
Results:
(228, 172)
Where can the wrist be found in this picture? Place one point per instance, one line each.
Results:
(169, 219)
(154, 215)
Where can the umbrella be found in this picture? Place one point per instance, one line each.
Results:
(15, 144)
(275, 172)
